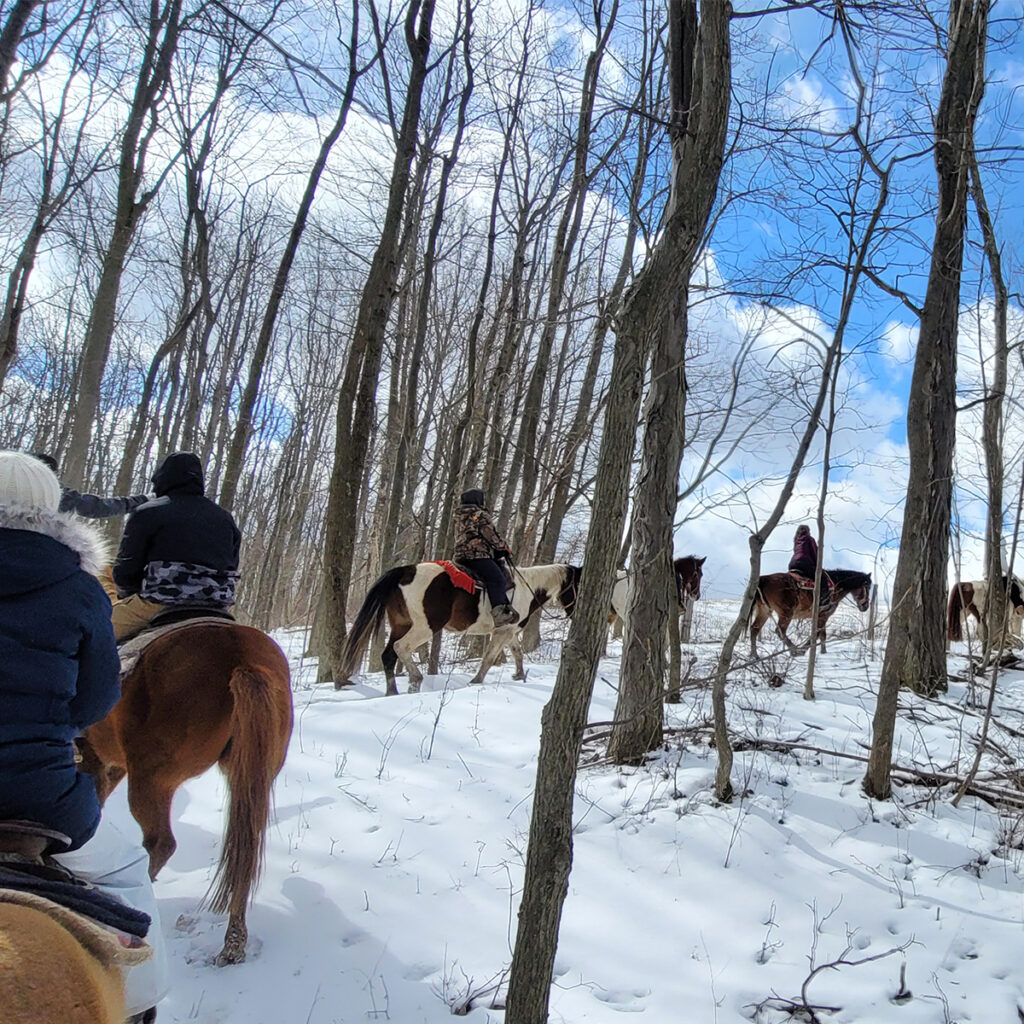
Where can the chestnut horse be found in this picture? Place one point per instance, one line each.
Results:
(782, 593)
(421, 599)
(968, 598)
(204, 694)
(689, 572)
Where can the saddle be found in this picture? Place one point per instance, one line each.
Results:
(169, 621)
(808, 584)
(28, 869)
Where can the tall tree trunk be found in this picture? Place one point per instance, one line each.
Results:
(655, 313)
(915, 653)
(549, 854)
(355, 403)
(154, 77)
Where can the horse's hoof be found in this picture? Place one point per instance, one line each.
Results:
(519, 678)
(230, 956)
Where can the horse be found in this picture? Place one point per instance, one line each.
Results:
(55, 963)
(782, 593)
(421, 599)
(968, 598)
(47, 973)
(204, 694)
(689, 571)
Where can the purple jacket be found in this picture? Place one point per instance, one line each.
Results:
(804, 550)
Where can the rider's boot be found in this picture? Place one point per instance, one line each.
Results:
(504, 615)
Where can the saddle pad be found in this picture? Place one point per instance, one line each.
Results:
(131, 650)
(802, 581)
(57, 885)
(459, 578)
(103, 944)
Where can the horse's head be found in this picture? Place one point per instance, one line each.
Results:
(570, 587)
(862, 593)
(689, 571)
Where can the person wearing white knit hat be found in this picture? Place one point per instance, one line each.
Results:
(27, 482)
(59, 672)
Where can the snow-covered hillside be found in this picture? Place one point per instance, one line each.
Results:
(396, 859)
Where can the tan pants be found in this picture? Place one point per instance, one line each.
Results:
(133, 615)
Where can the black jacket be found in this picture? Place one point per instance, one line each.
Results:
(180, 525)
(92, 506)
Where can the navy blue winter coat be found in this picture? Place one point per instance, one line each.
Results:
(58, 668)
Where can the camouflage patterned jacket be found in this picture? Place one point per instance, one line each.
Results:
(475, 534)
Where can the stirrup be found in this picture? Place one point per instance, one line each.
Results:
(30, 839)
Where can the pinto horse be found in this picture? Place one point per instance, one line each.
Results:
(782, 593)
(689, 572)
(421, 599)
(204, 694)
(969, 598)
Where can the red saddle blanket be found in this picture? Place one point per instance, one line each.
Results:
(459, 578)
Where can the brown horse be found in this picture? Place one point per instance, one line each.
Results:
(204, 694)
(782, 593)
(689, 572)
(968, 598)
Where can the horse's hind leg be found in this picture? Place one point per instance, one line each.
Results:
(761, 613)
(150, 803)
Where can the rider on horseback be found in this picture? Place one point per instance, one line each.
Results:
(179, 549)
(478, 545)
(805, 561)
(58, 675)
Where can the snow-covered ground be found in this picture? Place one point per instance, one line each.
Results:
(395, 860)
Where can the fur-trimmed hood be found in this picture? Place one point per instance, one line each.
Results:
(61, 545)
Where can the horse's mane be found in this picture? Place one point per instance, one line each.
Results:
(849, 578)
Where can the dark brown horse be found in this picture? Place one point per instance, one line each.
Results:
(968, 598)
(204, 694)
(782, 593)
(689, 572)
(418, 600)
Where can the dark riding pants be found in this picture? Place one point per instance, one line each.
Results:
(493, 576)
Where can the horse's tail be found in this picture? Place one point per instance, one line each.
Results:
(954, 630)
(369, 620)
(759, 599)
(261, 724)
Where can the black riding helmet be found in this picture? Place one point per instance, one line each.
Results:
(473, 497)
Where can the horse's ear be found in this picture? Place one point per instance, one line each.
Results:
(701, 561)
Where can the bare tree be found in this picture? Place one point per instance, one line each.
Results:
(355, 403)
(161, 41)
(655, 314)
(915, 653)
